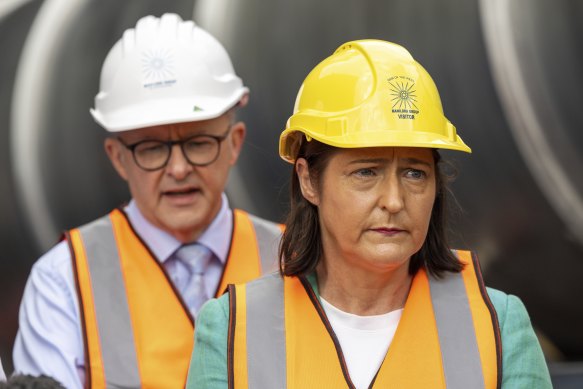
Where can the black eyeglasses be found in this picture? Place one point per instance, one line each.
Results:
(199, 150)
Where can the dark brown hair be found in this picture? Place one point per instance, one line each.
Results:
(300, 249)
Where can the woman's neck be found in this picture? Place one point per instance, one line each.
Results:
(364, 292)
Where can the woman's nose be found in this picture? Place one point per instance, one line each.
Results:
(391, 197)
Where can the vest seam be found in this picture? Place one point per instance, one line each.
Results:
(160, 266)
(228, 259)
(88, 378)
(259, 259)
(377, 373)
(231, 335)
(276, 236)
(328, 326)
(493, 317)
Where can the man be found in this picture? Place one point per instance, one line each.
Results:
(114, 303)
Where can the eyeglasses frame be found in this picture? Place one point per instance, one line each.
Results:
(170, 145)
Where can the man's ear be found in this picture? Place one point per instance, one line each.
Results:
(236, 139)
(244, 101)
(309, 191)
(114, 151)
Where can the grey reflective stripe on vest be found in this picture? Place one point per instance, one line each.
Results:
(268, 237)
(462, 366)
(266, 355)
(112, 313)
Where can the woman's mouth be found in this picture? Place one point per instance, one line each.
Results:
(389, 231)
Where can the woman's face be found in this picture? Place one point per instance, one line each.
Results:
(374, 204)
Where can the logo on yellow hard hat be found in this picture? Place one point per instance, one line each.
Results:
(403, 97)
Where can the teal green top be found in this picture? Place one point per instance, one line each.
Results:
(523, 363)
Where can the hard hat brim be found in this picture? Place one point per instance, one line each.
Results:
(289, 143)
(166, 111)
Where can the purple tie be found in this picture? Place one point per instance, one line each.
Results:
(196, 258)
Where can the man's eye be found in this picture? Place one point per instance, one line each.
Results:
(151, 147)
(199, 144)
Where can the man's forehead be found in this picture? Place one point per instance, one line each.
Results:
(211, 126)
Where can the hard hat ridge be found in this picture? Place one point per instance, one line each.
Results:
(162, 71)
(369, 93)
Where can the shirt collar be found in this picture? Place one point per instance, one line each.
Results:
(217, 236)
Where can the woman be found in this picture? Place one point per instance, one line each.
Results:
(370, 294)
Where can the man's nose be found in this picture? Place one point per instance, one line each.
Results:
(178, 166)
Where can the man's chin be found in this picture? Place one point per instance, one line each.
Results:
(185, 223)
(185, 234)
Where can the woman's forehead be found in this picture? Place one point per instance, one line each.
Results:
(386, 153)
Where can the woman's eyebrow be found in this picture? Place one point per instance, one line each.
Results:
(369, 160)
(408, 160)
(416, 161)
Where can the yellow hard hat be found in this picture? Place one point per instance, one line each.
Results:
(369, 93)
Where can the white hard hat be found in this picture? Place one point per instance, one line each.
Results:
(165, 70)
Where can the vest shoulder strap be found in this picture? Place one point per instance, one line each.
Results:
(255, 307)
(96, 261)
(253, 251)
(462, 365)
(268, 237)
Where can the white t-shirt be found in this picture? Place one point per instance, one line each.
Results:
(364, 340)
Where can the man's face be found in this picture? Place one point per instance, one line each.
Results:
(179, 198)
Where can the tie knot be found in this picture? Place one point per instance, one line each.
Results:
(195, 256)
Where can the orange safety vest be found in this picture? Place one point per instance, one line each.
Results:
(138, 332)
(448, 336)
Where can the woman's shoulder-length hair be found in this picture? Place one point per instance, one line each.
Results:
(301, 245)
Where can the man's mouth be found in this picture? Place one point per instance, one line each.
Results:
(182, 192)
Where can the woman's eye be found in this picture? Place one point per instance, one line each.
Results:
(365, 172)
(415, 174)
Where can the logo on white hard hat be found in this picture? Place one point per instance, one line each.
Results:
(158, 68)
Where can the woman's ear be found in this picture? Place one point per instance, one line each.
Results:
(309, 191)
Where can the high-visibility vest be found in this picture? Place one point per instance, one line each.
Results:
(138, 332)
(447, 337)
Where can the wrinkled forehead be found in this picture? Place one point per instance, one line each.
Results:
(422, 154)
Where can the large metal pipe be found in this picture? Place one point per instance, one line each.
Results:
(543, 137)
(17, 252)
(520, 189)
